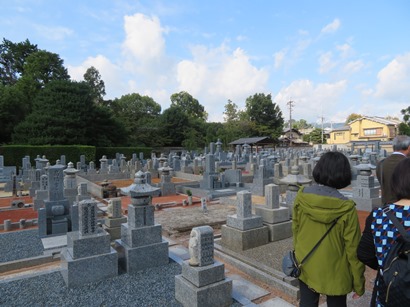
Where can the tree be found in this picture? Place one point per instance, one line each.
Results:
(13, 58)
(314, 137)
(189, 105)
(301, 124)
(231, 112)
(93, 78)
(265, 114)
(404, 127)
(352, 117)
(140, 116)
(64, 114)
(174, 122)
(12, 111)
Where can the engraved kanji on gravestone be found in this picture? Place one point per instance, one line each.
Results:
(114, 208)
(44, 182)
(88, 217)
(201, 246)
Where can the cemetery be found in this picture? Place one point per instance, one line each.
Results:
(178, 229)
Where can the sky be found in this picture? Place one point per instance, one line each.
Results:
(330, 58)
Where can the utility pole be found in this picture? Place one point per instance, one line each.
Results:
(290, 103)
(322, 119)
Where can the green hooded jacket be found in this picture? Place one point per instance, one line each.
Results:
(333, 268)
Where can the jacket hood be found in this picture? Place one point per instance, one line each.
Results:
(323, 209)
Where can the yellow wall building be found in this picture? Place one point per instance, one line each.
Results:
(365, 129)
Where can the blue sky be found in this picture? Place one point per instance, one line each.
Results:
(332, 58)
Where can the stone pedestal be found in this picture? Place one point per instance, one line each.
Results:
(203, 286)
(113, 226)
(275, 217)
(88, 256)
(202, 282)
(244, 230)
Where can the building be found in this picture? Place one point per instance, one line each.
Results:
(367, 128)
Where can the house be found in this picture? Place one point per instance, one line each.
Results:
(367, 128)
(292, 137)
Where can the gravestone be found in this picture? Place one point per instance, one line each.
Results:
(115, 218)
(244, 230)
(141, 245)
(88, 256)
(202, 282)
(275, 217)
(365, 194)
(55, 218)
(166, 185)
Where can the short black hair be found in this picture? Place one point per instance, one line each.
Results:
(400, 180)
(333, 170)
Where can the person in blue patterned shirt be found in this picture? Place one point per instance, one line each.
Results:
(379, 233)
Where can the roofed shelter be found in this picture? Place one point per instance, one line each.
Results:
(254, 142)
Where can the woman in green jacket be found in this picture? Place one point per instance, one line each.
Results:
(333, 268)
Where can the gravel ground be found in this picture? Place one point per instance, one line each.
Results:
(18, 245)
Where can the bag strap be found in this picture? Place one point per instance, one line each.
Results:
(318, 243)
(392, 217)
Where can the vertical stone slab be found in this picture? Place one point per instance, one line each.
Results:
(88, 217)
(272, 196)
(244, 207)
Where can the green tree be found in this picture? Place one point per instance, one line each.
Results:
(190, 106)
(13, 58)
(64, 114)
(93, 78)
(231, 112)
(315, 136)
(352, 117)
(404, 127)
(174, 124)
(266, 115)
(140, 116)
(11, 111)
(301, 124)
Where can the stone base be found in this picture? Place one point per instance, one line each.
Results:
(216, 294)
(115, 233)
(367, 204)
(201, 276)
(141, 236)
(86, 246)
(244, 223)
(273, 216)
(238, 240)
(78, 272)
(279, 231)
(134, 259)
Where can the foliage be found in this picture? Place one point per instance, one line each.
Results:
(174, 126)
(315, 137)
(12, 110)
(13, 58)
(190, 106)
(301, 124)
(13, 154)
(231, 112)
(266, 115)
(352, 117)
(93, 78)
(63, 114)
(404, 129)
(140, 116)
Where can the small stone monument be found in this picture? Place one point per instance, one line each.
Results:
(114, 219)
(275, 217)
(141, 245)
(365, 194)
(89, 256)
(202, 282)
(244, 230)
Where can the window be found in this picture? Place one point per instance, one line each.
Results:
(373, 131)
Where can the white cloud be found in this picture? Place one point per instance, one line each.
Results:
(345, 50)
(143, 37)
(331, 27)
(279, 58)
(110, 74)
(53, 33)
(353, 67)
(311, 101)
(326, 63)
(394, 80)
(215, 75)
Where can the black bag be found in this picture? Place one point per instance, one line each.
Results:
(290, 265)
(394, 283)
